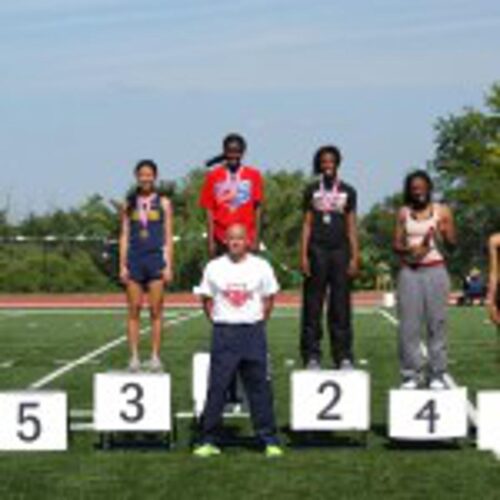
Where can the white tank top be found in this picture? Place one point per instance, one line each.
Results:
(417, 229)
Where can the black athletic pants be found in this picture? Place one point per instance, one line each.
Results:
(328, 275)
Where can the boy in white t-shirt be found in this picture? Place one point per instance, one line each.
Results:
(237, 292)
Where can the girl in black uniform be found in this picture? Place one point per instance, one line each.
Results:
(330, 259)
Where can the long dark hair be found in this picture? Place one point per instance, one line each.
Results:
(131, 200)
(323, 150)
(225, 143)
(416, 174)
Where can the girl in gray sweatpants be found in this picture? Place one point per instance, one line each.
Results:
(422, 301)
(422, 228)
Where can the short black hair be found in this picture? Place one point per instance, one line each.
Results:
(416, 174)
(235, 138)
(146, 163)
(323, 150)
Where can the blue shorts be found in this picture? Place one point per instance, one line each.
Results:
(146, 268)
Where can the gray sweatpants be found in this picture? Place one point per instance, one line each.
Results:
(422, 298)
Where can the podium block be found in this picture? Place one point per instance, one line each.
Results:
(132, 402)
(199, 389)
(33, 421)
(488, 420)
(330, 400)
(427, 415)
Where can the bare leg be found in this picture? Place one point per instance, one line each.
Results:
(134, 299)
(156, 293)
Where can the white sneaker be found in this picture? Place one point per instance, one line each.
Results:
(313, 364)
(134, 365)
(410, 384)
(437, 384)
(346, 364)
(155, 364)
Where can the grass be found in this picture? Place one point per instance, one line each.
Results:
(36, 342)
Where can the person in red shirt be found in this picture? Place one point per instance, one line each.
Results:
(231, 194)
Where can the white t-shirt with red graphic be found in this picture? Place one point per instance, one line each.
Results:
(237, 288)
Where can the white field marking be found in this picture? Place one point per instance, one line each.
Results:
(58, 362)
(5, 313)
(471, 410)
(9, 363)
(287, 312)
(97, 352)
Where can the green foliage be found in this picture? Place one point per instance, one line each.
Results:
(466, 169)
(376, 230)
(282, 223)
(30, 268)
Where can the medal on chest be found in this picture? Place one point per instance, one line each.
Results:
(144, 209)
(328, 200)
(233, 181)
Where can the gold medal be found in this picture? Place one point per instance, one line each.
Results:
(144, 233)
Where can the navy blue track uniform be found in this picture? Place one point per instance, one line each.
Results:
(145, 259)
(240, 348)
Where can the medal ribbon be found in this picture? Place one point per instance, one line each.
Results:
(232, 182)
(329, 197)
(144, 209)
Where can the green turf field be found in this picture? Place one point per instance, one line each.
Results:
(34, 344)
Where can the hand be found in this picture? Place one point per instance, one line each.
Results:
(418, 252)
(124, 274)
(167, 275)
(305, 266)
(353, 268)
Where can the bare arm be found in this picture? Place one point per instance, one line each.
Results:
(352, 234)
(399, 241)
(447, 228)
(304, 247)
(207, 303)
(210, 234)
(268, 304)
(168, 249)
(124, 242)
(494, 276)
(258, 216)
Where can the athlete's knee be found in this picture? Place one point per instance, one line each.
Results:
(134, 311)
(155, 312)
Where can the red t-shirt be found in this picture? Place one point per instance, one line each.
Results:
(232, 198)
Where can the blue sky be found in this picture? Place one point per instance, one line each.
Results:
(90, 86)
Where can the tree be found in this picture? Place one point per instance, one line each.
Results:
(467, 171)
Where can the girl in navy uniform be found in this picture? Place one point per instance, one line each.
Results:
(146, 258)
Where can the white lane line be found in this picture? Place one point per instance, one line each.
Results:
(74, 312)
(59, 362)
(282, 312)
(97, 352)
(471, 410)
